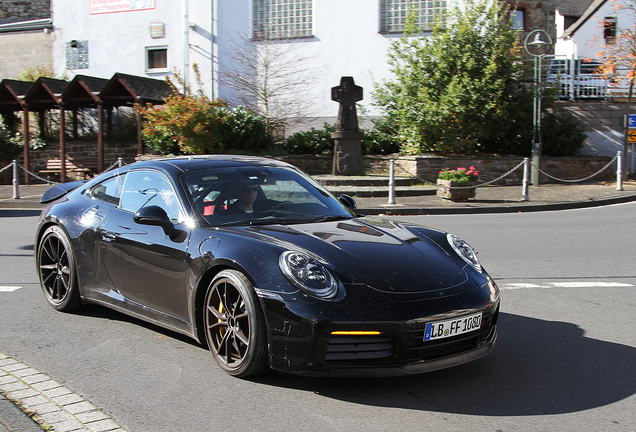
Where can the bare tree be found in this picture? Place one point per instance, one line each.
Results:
(273, 79)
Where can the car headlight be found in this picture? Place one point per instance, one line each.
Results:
(464, 251)
(308, 274)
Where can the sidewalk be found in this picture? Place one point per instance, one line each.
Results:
(373, 200)
(45, 404)
(505, 199)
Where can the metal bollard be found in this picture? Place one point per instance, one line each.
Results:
(391, 183)
(120, 162)
(526, 173)
(619, 171)
(16, 180)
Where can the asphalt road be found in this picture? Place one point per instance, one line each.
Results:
(564, 360)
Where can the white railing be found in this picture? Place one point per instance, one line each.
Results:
(578, 79)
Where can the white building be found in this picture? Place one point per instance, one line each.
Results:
(155, 38)
(138, 37)
(595, 28)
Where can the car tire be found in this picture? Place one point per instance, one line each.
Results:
(235, 326)
(57, 270)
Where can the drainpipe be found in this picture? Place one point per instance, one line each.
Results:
(213, 55)
(186, 46)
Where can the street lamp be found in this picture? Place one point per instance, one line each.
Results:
(540, 46)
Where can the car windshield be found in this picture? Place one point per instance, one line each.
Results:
(260, 195)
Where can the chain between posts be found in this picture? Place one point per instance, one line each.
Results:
(38, 177)
(6, 168)
(16, 195)
(117, 164)
(579, 180)
(526, 164)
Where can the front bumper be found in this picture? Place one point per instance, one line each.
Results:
(301, 340)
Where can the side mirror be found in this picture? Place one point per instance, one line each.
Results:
(156, 216)
(347, 201)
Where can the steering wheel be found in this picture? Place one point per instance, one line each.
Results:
(278, 205)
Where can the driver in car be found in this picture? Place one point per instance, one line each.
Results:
(246, 202)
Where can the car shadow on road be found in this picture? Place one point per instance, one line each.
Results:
(538, 367)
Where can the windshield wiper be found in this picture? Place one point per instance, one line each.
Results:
(333, 218)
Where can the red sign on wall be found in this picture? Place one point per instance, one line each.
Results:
(112, 6)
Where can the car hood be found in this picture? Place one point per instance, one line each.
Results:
(384, 255)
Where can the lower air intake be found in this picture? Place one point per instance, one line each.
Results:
(346, 348)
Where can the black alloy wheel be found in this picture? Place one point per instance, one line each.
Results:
(234, 325)
(56, 267)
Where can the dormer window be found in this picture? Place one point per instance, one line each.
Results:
(609, 31)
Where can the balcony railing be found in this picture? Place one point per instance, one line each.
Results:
(579, 79)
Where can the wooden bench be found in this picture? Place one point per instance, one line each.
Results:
(76, 169)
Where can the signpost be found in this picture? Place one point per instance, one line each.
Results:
(631, 139)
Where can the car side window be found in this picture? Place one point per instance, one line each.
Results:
(143, 188)
(109, 190)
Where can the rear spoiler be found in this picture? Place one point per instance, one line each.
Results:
(60, 190)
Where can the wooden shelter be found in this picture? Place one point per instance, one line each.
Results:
(82, 92)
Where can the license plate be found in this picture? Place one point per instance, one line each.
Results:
(452, 327)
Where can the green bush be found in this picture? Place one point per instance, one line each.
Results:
(229, 130)
(382, 139)
(461, 88)
(162, 142)
(10, 145)
(9, 148)
(245, 131)
(313, 141)
(561, 135)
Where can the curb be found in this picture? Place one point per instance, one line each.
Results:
(52, 405)
(412, 211)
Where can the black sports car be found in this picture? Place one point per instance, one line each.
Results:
(256, 259)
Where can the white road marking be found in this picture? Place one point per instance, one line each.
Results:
(514, 286)
(9, 288)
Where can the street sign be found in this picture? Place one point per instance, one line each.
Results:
(631, 135)
(632, 121)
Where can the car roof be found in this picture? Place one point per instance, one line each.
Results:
(182, 164)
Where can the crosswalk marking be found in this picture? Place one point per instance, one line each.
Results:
(514, 286)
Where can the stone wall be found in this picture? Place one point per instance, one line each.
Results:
(74, 150)
(602, 121)
(28, 48)
(24, 10)
(595, 116)
(21, 50)
(490, 167)
(423, 167)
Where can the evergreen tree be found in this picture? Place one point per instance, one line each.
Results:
(460, 89)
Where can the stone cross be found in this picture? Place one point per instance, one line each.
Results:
(347, 152)
(347, 93)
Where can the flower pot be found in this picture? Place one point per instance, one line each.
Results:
(447, 190)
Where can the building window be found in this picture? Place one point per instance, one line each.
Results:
(156, 59)
(609, 31)
(518, 17)
(393, 14)
(283, 19)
